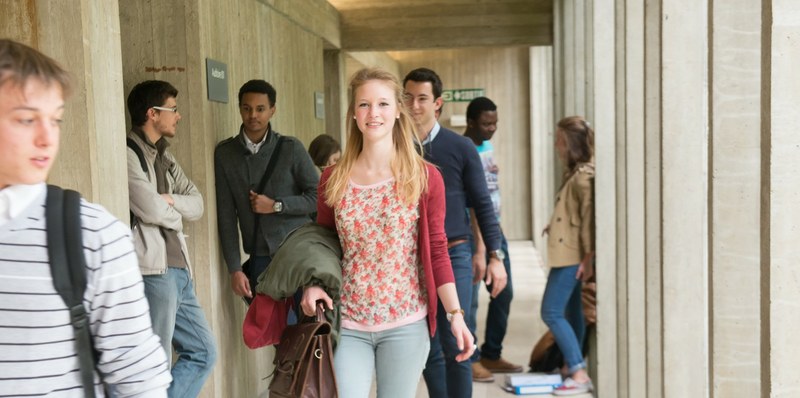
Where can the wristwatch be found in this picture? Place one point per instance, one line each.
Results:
(453, 312)
(498, 254)
(277, 206)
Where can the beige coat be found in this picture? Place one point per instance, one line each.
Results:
(571, 229)
(154, 213)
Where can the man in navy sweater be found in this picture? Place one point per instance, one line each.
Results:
(465, 186)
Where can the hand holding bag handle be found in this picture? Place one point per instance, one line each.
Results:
(304, 360)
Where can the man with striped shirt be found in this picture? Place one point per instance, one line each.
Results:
(37, 343)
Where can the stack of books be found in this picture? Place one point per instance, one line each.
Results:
(532, 383)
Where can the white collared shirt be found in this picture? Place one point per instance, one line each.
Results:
(432, 135)
(253, 147)
(16, 198)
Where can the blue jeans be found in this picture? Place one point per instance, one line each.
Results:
(496, 317)
(180, 323)
(396, 355)
(258, 264)
(444, 376)
(562, 311)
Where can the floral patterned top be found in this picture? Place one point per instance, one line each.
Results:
(382, 277)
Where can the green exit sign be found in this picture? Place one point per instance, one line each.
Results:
(462, 95)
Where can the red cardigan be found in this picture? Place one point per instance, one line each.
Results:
(431, 240)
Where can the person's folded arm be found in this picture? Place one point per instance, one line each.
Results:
(187, 198)
(145, 201)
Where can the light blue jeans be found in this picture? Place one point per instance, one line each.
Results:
(562, 311)
(397, 356)
(180, 323)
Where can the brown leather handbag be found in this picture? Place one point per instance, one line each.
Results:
(304, 361)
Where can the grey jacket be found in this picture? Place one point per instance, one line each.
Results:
(237, 171)
(153, 212)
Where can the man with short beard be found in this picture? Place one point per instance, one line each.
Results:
(161, 196)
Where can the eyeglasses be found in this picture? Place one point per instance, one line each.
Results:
(174, 109)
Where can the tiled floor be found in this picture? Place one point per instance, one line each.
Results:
(525, 325)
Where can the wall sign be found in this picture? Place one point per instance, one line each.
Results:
(217, 80)
(462, 95)
(319, 105)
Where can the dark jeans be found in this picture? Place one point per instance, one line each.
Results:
(444, 376)
(259, 264)
(496, 317)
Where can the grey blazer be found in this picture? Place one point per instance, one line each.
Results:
(293, 182)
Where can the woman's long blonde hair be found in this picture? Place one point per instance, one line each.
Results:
(408, 166)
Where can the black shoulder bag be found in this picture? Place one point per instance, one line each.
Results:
(249, 270)
(68, 267)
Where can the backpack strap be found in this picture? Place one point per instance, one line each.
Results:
(68, 267)
(139, 154)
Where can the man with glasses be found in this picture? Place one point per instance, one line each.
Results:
(161, 196)
(465, 186)
(40, 350)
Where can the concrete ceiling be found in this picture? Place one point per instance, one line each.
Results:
(385, 25)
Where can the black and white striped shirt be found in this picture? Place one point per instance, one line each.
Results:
(37, 342)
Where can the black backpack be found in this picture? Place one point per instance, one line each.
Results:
(68, 267)
(139, 154)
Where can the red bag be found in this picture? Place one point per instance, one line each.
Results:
(265, 321)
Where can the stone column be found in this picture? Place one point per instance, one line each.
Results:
(83, 36)
(684, 168)
(780, 199)
(572, 71)
(632, 128)
(735, 197)
(602, 102)
(542, 156)
(652, 148)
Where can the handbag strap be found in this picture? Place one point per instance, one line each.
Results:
(321, 311)
(263, 184)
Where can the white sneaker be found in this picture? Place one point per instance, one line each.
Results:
(572, 387)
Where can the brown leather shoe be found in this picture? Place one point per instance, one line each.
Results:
(481, 374)
(500, 365)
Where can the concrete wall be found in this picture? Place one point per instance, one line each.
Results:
(109, 46)
(693, 108)
(257, 40)
(504, 74)
(542, 180)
